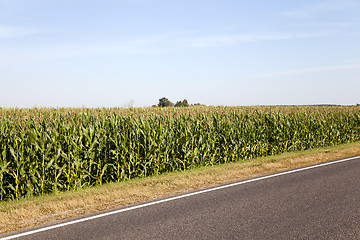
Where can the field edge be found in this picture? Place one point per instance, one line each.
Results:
(24, 213)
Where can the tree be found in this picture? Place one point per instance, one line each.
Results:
(183, 103)
(197, 104)
(164, 102)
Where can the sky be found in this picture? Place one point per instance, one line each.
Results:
(131, 53)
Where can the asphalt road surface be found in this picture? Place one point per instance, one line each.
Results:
(315, 203)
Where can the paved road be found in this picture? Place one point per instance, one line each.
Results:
(317, 203)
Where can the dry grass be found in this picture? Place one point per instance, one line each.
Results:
(30, 212)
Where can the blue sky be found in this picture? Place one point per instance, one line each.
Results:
(117, 53)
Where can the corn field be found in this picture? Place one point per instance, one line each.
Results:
(49, 150)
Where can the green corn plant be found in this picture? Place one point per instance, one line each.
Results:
(49, 150)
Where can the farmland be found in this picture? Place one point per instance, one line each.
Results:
(49, 150)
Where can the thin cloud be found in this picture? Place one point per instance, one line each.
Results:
(52, 52)
(219, 40)
(149, 44)
(152, 44)
(316, 8)
(307, 70)
(337, 5)
(328, 24)
(16, 32)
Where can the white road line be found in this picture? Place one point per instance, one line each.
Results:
(174, 198)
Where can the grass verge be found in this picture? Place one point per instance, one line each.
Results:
(30, 212)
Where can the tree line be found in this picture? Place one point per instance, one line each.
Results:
(164, 102)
